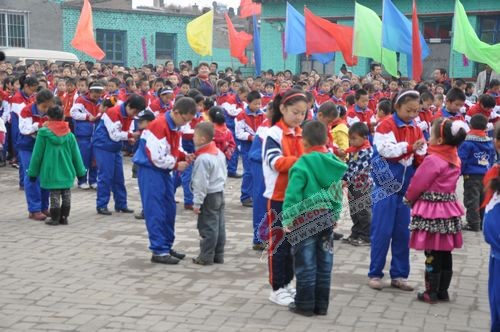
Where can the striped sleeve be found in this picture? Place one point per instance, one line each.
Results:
(79, 112)
(26, 125)
(158, 150)
(114, 128)
(386, 143)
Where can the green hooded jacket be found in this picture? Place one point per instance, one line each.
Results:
(315, 183)
(56, 158)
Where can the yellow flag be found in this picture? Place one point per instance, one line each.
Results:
(199, 33)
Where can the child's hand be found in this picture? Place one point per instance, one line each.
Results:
(418, 144)
(136, 134)
(341, 153)
(190, 157)
(196, 210)
(287, 229)
(131, 140)
(182, 165)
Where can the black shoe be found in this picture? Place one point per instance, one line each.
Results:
(472, 227)
(104, 211)
(64, 214)
(320, 312)
(166, 259)
(259, 247)
(198, 261)
(337, 236)
(140, 215)
(293, 308)
(125, 210)
(247, 202)
(219, 260)
(235, 175)
(176, 254)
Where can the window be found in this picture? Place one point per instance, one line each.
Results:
(112, 42)
(165, 46)
(490, 29)
(13, 29)
(439, 28)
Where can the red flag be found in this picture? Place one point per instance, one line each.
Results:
(238, 41)
(84, 35)
(249, 8)
(417, 65)
(323, 36)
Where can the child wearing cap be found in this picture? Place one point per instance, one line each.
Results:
(163, 102)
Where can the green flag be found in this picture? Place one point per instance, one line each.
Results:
(368, 39)
(466, 41)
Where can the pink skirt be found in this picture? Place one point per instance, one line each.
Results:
(422, 240)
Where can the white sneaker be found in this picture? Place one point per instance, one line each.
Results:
(93, 186)
(84, 186)
(281, 297)
(291, 290)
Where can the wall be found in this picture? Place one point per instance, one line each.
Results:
(44, 22)
(140, 25)
(273, 15)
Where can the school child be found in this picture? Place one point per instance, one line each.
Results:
(323, 94)
(268, 94)
(359, 184)
(246, 125)
(470, 95)
(477, 155)
(315, 172)
(85, 114)
(393, 90)
(60, 89)
(327, 114)
(31, 119)
(337, 93)
(259, 202)
(311, 106)
(188, 146)
(281, 150)
(438, 103)
(492, 234)
(56, 161)
(23, 96)
(157, 156)
(455, 99)
(435, 225)
(399, 148)
(209, 179)
(113, 89)
(424, 117)
(233, 104)
(164, 102)
(223, 137)
(130, 88)
(494, 90)
(384, 111)
(184, 88)
(360, 112)
(3, 135)
(69, 99)
(143, 86)
(112, 129)
(340, 132)
(372, 99)
(82, 85)
(485, 106)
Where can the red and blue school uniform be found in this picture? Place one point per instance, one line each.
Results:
(492, 116)
(259, 202)
(491, 232)
(159, 107)
(424, 120)
(393, 165)
(188, 147)
(282, 148)
(17, 103)
(246, 125)
(107, 141)
(83, 129)
(321, 97)
(338, 101)
(232, 106)
(444, 113)
(495, 95)
(224, 140)
(157, 156)
(266, 98)
(30, 120)
(357, 114)
(124, 94)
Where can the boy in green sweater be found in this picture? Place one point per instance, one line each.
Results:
(56, 160)
(313, 202)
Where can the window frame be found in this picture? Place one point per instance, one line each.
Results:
(102, 44)
(25, 37)
(173, 55)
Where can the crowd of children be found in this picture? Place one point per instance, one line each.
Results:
(397, 150)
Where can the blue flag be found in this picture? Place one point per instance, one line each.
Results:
(256, 47)
(324, 58)
(397, 32)
(295, 31)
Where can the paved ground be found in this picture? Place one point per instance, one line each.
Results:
(95, 275)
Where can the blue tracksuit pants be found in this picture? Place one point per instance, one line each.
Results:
(390, 221)
(232, 165)
(247, 181)
(87, 153)
(36, 197)
(158, 202)
(259, 201)
(15, 152)
(110, 179)
(188, 147)
(494, 293)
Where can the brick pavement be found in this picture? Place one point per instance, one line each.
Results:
(95, 275)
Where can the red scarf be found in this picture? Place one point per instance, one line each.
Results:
(446, 152)
(316, 148)
(59, 128)
(338, 121)
(203, 77)
(353, 149)
(209, 148)
(477, 132)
